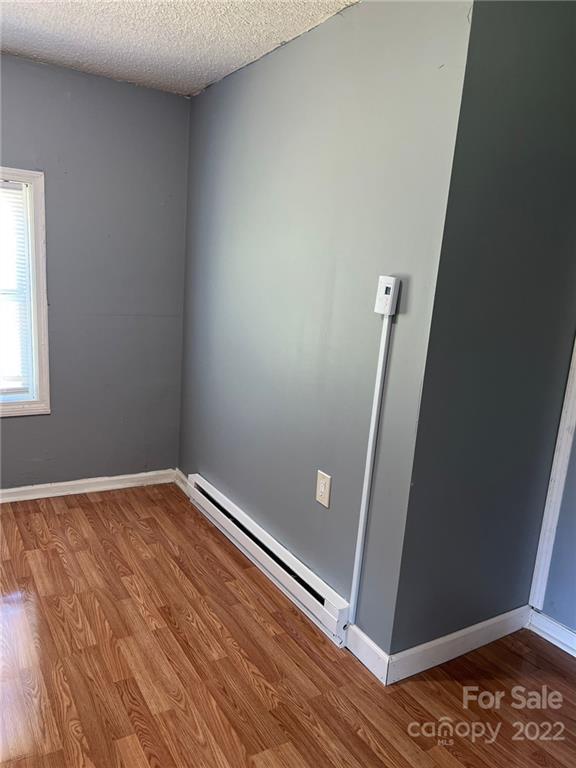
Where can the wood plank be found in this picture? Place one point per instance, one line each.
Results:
(48, 573)
(103, 718)
(144, 725)
(284, 756)
(13, 542)
(108, 628)
(256, 727)
(68, 623)
(130, 753)
(76, 749)
(16, 735)
(152, 671)
(39, 709)
(18, 649)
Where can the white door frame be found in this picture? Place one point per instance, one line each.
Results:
(555, 489)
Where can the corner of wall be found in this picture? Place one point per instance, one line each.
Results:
(185, 277)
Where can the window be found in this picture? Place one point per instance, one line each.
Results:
(24, 382)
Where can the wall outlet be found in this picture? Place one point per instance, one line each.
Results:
(323, 483)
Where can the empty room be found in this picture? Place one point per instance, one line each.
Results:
(287, 384)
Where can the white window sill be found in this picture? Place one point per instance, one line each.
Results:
(30, 408)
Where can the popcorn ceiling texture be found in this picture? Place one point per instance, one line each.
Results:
(176, 46)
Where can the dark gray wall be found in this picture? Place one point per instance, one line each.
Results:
(115, 159)
(312, 172)
(560, 600)
(502, 329)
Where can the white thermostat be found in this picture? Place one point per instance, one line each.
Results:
(387, 295)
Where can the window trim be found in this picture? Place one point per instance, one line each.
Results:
(41, 405)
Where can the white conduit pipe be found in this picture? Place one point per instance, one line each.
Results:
(386, 305)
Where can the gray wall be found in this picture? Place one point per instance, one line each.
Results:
(502, 330)
(115, 159)
(312, 172)
(560, 600)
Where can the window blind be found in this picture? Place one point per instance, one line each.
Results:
(17, 374)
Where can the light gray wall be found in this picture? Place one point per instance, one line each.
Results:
(502, 330)
(560, 600)
(312, 172)
(115, 159)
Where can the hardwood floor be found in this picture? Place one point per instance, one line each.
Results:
(134, 635)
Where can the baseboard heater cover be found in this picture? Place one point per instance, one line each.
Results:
(312, 595)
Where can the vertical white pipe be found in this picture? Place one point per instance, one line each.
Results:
(369, 466)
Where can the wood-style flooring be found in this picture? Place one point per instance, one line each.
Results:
(134, 635)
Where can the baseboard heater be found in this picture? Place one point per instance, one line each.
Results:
(312, 595)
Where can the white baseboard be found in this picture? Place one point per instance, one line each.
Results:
(182, 482)
(89, 485)
(421, 657)
(397, 666)
(366, 651)
(553, 631)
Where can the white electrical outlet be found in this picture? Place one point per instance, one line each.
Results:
(323, 483)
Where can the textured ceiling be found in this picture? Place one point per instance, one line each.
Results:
(176, 45)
